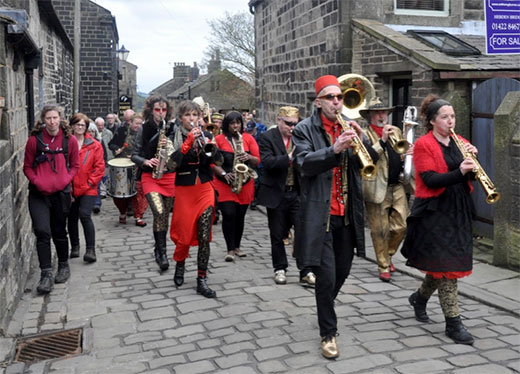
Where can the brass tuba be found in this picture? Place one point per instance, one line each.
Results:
(357, 92)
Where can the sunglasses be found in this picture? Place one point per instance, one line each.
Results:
(331, 97)
(290, 124)
(159, 110)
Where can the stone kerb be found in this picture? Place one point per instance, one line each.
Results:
(507, 172)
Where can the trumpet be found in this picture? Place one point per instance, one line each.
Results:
(492, 196)
(208, 148)
(368, 169)
(399, 145)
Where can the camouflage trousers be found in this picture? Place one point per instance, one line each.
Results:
(448, 293)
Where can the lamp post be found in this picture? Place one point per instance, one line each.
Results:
(122, 53)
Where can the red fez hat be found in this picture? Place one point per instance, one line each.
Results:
(324, 81)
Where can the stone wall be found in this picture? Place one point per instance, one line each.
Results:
(507, 179)
(99, 92)
(16, 237)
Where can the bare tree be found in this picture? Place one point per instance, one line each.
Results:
(233, 36)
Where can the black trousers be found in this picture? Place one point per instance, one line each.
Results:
(280, 220)
(336, 261)
(81, 210)
(233, 216)
(49, 220)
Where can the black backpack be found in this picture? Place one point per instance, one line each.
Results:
(42, 150)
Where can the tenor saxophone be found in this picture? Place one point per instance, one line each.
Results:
(240, 169)
(368, 169)
(160, 154)
(492, 196)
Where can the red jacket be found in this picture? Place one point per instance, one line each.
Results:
(91, 168)
(46, 179)
(427, 156)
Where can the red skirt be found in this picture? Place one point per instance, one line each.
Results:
(448, 274)
(243, 198)
(190, 203)
(165, 186)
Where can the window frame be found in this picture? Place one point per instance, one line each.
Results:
(419, 12)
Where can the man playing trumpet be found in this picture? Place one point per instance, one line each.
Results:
(385, 195)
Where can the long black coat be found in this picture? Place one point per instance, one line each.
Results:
(315, 160)
(275, 161)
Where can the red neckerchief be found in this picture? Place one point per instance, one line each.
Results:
(337, 207)
(377, 129)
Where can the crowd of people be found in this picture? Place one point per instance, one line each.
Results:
(192, 165)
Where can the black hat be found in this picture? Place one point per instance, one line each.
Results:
(375, 104)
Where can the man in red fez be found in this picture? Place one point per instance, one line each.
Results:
(331, 215)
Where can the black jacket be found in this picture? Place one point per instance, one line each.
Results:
(275, 161)
(194, 164)
(315, 160)
(146, 143)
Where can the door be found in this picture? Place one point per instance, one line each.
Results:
(487, 97)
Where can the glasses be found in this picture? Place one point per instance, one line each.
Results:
(80, 125)
(331, 97)
(290, 124)
(159, 110)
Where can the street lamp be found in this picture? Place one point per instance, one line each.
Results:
(123, 53)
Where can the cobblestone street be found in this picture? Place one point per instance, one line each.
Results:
(136, 321)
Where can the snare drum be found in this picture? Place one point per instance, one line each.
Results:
(121, 178)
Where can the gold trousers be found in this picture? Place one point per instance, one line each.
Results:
(387, 223)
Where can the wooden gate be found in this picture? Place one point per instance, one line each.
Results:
(486, 99)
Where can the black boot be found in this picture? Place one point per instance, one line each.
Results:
(46, 282)
(90, 255)
(160, 250)
(63, 273)
(419, 306)
(456, 331)
(178, 278)
(203, 289)
(74, 251)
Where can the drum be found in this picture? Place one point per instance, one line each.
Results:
(121, 178)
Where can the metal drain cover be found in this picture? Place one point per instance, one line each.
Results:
(45, 347)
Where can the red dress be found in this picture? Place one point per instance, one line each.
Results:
(248, 190)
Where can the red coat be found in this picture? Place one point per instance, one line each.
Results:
(427, 156)
(91, 168)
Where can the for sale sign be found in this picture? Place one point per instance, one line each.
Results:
(502, 26)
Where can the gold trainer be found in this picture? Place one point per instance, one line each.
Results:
(329, 347)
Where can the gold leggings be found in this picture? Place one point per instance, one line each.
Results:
(161, 206)
(447, 293)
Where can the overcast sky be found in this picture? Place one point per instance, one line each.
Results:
(160, 32)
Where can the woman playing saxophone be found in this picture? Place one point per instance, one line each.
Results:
(235, 186)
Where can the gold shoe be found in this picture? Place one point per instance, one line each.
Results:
(329, 347)
(309, 280)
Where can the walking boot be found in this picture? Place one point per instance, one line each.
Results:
(46, 282)
(419, 307)
(160, 250)
(74, 251)
(63, 273)
(456, 331)
(203, 288)
(178, 277)
(90, 255)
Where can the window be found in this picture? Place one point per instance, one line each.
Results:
(436, 8)
(445, 43)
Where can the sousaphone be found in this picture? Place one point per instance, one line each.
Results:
(357, 92)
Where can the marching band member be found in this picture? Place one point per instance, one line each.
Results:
(439, 238)
(158, 185)
(385, 196)
(195, 196)
(236, 189)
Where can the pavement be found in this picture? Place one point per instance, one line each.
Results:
(135, 321)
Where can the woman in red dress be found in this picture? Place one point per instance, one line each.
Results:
(194, 210)
(235, 179)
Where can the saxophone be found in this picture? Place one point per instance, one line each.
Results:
(161, 154)
(492, 196)
(368, 170)
(239, 169)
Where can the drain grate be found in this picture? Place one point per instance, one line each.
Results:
(45, 347)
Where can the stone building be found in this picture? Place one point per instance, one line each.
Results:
(128, 80)
(36, 67)
(402, 51)
(99, 88)
(182, 73)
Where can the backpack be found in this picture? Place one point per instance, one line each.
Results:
(42, 150)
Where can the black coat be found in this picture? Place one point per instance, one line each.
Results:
(275, 161)
(146, 143)
(315, 160)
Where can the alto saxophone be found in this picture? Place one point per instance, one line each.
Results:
(368, 169)
(239, 169)
(492, 196)
(160, 154)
